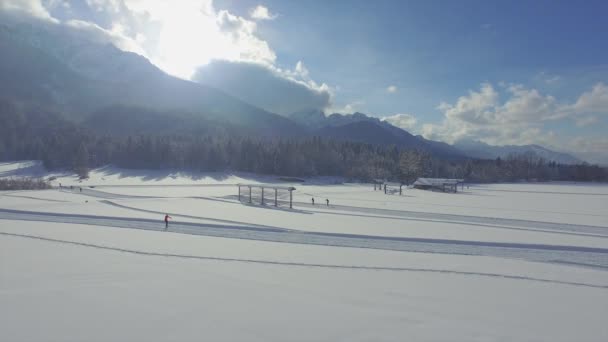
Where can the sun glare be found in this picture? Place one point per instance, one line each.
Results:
(189, 37)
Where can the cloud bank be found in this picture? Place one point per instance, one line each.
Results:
(405, 121)
(273, 89)
(522, 118)
(262, 13)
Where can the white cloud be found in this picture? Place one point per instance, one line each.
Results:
(179, 37)
(547, 78)
(520, 119)
(301, 69)
(349, 108)
(406, 121)
(391, 89)
(33, 8)
(476, 107)
(593, 101)
(586, 121)
(101, 35)
(262, 13)
(105, 5)
(273, 89)
(182, 36)
(176, 36)
(300, 74)
(241, 33)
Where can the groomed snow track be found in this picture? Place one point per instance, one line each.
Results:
(563, 254)
(301, 264)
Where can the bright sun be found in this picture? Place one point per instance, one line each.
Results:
(189, 37)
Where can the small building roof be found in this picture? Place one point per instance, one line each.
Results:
(268, 186)
(437, 181)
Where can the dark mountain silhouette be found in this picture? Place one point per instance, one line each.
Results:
(58, 70)
(362, 128)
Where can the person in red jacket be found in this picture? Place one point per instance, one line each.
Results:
(167, 217)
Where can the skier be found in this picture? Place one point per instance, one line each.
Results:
(313, 201)
(327, 200)
(167, 217)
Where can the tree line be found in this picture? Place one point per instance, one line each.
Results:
(26, 183)
(62, 144)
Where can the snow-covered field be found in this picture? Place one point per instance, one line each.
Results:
(504, 262)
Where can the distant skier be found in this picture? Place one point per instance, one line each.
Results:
(327, 200)
(167, 217)
(80, 189)
(313, 201)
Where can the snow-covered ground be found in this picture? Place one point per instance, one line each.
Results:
(504, 262)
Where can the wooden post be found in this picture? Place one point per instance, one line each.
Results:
(239, 192)
(400, 189)
(262, 195)
(290, 199)
(250, 194)
(276, 204)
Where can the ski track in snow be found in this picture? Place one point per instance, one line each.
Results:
(103, 194)
(36, 198)
(300, 264)
(466, 219)
(350, 214)
(494, 222)
(549, 227)
(367, 200)
(108, 202)
(563, 254)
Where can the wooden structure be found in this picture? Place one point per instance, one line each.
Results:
(246, 191)
(378, 184)
(441, 184)
(391, 188)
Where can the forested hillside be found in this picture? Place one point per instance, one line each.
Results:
(139, 138)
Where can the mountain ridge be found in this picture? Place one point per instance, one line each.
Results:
(72, 85)
(85, 80)
(364, 128)
(482, 150)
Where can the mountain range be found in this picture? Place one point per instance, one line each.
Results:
(118, 92)
(478, 149)
(362, 128)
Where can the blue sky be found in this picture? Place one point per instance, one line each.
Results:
(435, 50)
(504, 72)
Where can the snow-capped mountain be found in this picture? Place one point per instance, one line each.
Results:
(478, 149)
(363, 128)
